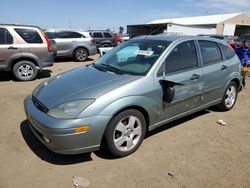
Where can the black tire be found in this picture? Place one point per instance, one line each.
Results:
(105, 45)
(25, 70)
(132, 134)
(229, 98)
(81, 54)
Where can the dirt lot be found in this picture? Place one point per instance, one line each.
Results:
(192, 152)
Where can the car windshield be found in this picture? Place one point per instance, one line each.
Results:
(135, 57)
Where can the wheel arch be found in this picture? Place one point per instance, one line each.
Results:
(15, 61)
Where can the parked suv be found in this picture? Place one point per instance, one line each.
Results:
(138, 86)
(75, 44)
(103, 38)
(23, 49)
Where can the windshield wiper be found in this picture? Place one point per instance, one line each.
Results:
(111, 68)
(99, 67)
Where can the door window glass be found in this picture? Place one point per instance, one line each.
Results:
(69, 35)
(97, 35)
(210, 52)
(107, 35)
(5, 36)
(182, 57)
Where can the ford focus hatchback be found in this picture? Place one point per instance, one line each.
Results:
(136, 87)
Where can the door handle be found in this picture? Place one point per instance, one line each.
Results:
(223, 67)
(12, 48)
(195, 76)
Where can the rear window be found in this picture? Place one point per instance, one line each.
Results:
(210, 52)
(5, 36)
(227, 51)
(29, 35)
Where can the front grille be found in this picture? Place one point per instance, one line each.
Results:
(39, 105)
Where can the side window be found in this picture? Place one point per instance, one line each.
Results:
(97, 35)
(76, 35)
(227, 51)
(107, 35)
(210, 52)
(29, 35)
(69, 35)
(5, 37)
(182, 57)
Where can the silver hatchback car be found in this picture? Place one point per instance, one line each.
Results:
(136, 87)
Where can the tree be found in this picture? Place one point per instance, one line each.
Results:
(121, 29)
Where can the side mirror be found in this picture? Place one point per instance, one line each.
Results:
(168, 95)
(168, 90)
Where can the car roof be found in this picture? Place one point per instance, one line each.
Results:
(172, 38)
(19, 25)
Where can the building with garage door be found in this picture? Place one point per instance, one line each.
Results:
(233, 24)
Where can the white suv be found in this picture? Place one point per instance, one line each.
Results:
(72, 43)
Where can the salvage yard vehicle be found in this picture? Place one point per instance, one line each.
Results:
(136, 87)
(23, 48)
(71, 43)
(104, 38)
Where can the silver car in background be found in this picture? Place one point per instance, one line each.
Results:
(24, 49)
(77, 44)
(136, 87)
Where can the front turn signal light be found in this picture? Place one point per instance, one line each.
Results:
(82, 129)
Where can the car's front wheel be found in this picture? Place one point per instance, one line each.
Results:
(229, 98)
(25, 70)
(125, 132)
(81, 54)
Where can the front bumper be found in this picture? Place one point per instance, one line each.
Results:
(60, 133)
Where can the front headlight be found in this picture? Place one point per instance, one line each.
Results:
(70, 110)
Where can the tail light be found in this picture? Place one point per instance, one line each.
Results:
(93, 41)
(118, 39)
(48, 42)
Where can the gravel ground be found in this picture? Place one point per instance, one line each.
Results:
(192, 152)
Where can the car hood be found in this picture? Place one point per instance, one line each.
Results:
(80, 83)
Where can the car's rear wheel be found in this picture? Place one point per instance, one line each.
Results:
(25, 70)
(105, 45)
(81, 54)
(229, 98)
(125, 132)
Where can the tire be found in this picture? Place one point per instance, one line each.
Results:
(229, 97)
(105, 45)
(25, 70)
(125, 133)
(81, 54)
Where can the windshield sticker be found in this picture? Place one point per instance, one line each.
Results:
(144, 52)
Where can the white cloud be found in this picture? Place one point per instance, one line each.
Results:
(222, 5)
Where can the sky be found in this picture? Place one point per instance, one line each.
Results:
(104, 14)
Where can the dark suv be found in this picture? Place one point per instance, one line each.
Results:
(103, 38)
(23, 49)
(243, 40)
